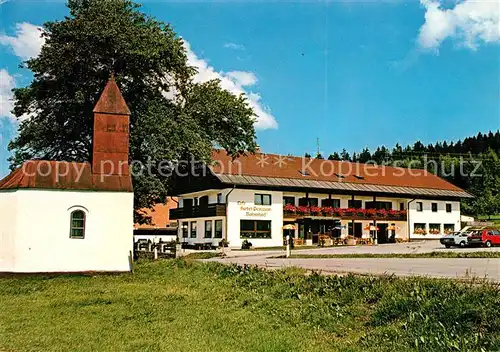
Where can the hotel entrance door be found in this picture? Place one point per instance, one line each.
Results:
(382, 233)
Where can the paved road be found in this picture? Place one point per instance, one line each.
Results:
(412, 247)
(432, 267)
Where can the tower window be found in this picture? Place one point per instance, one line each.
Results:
(77, 224)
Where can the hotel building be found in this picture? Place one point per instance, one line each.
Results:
(252, 197)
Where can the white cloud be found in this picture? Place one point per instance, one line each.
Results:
(470, 22)
(26, 43)
(234, 46)
(242, 78)
(234, 82)
(7, 82)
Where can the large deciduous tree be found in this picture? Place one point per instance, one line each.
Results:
(171, 116)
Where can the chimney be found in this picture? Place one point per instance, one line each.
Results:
(111, 133)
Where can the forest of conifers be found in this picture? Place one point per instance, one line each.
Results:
(472, 164)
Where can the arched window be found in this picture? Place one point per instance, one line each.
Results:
(77, 226)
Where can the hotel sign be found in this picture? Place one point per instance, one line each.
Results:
(254, 210)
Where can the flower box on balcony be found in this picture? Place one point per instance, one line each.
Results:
(350, 213)
(289, 208)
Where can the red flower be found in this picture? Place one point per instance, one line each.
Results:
(338, 212)
(302, 210)
(371, 212)
(382, 212)
(327, 211)
(361, 211)
(290, 208)
(315, 210)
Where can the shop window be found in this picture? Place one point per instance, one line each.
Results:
(434, 229)
(419, 229)
(255, 229)
(449, 228)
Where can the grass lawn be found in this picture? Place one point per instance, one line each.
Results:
(177, 305)
(448, 254)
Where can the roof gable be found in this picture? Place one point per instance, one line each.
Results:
(338, 174)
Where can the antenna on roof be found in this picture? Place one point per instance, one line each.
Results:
(317, 145)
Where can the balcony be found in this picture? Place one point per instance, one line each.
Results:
(198, 211)
(291, 211)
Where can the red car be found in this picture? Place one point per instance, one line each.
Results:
(486, 237)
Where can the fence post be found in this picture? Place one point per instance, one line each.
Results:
(288, 246)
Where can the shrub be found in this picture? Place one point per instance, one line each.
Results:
(246, 244)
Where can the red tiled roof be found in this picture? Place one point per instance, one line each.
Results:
(110, 146)
(291, 167)
(111, 100)
(160, 215)
(63, 175)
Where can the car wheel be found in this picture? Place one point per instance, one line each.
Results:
(447, 245)
(488, 244)
(462, 244)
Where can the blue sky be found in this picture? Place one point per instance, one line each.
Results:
(354, 74)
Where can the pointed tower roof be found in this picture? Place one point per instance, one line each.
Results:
(111, 100)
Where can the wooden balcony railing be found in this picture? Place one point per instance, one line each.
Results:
(198, 211)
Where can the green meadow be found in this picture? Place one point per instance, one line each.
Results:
(184, 305)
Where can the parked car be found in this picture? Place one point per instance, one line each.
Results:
(486, 237)
(455, 239)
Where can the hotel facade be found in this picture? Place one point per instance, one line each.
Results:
(253, 197)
